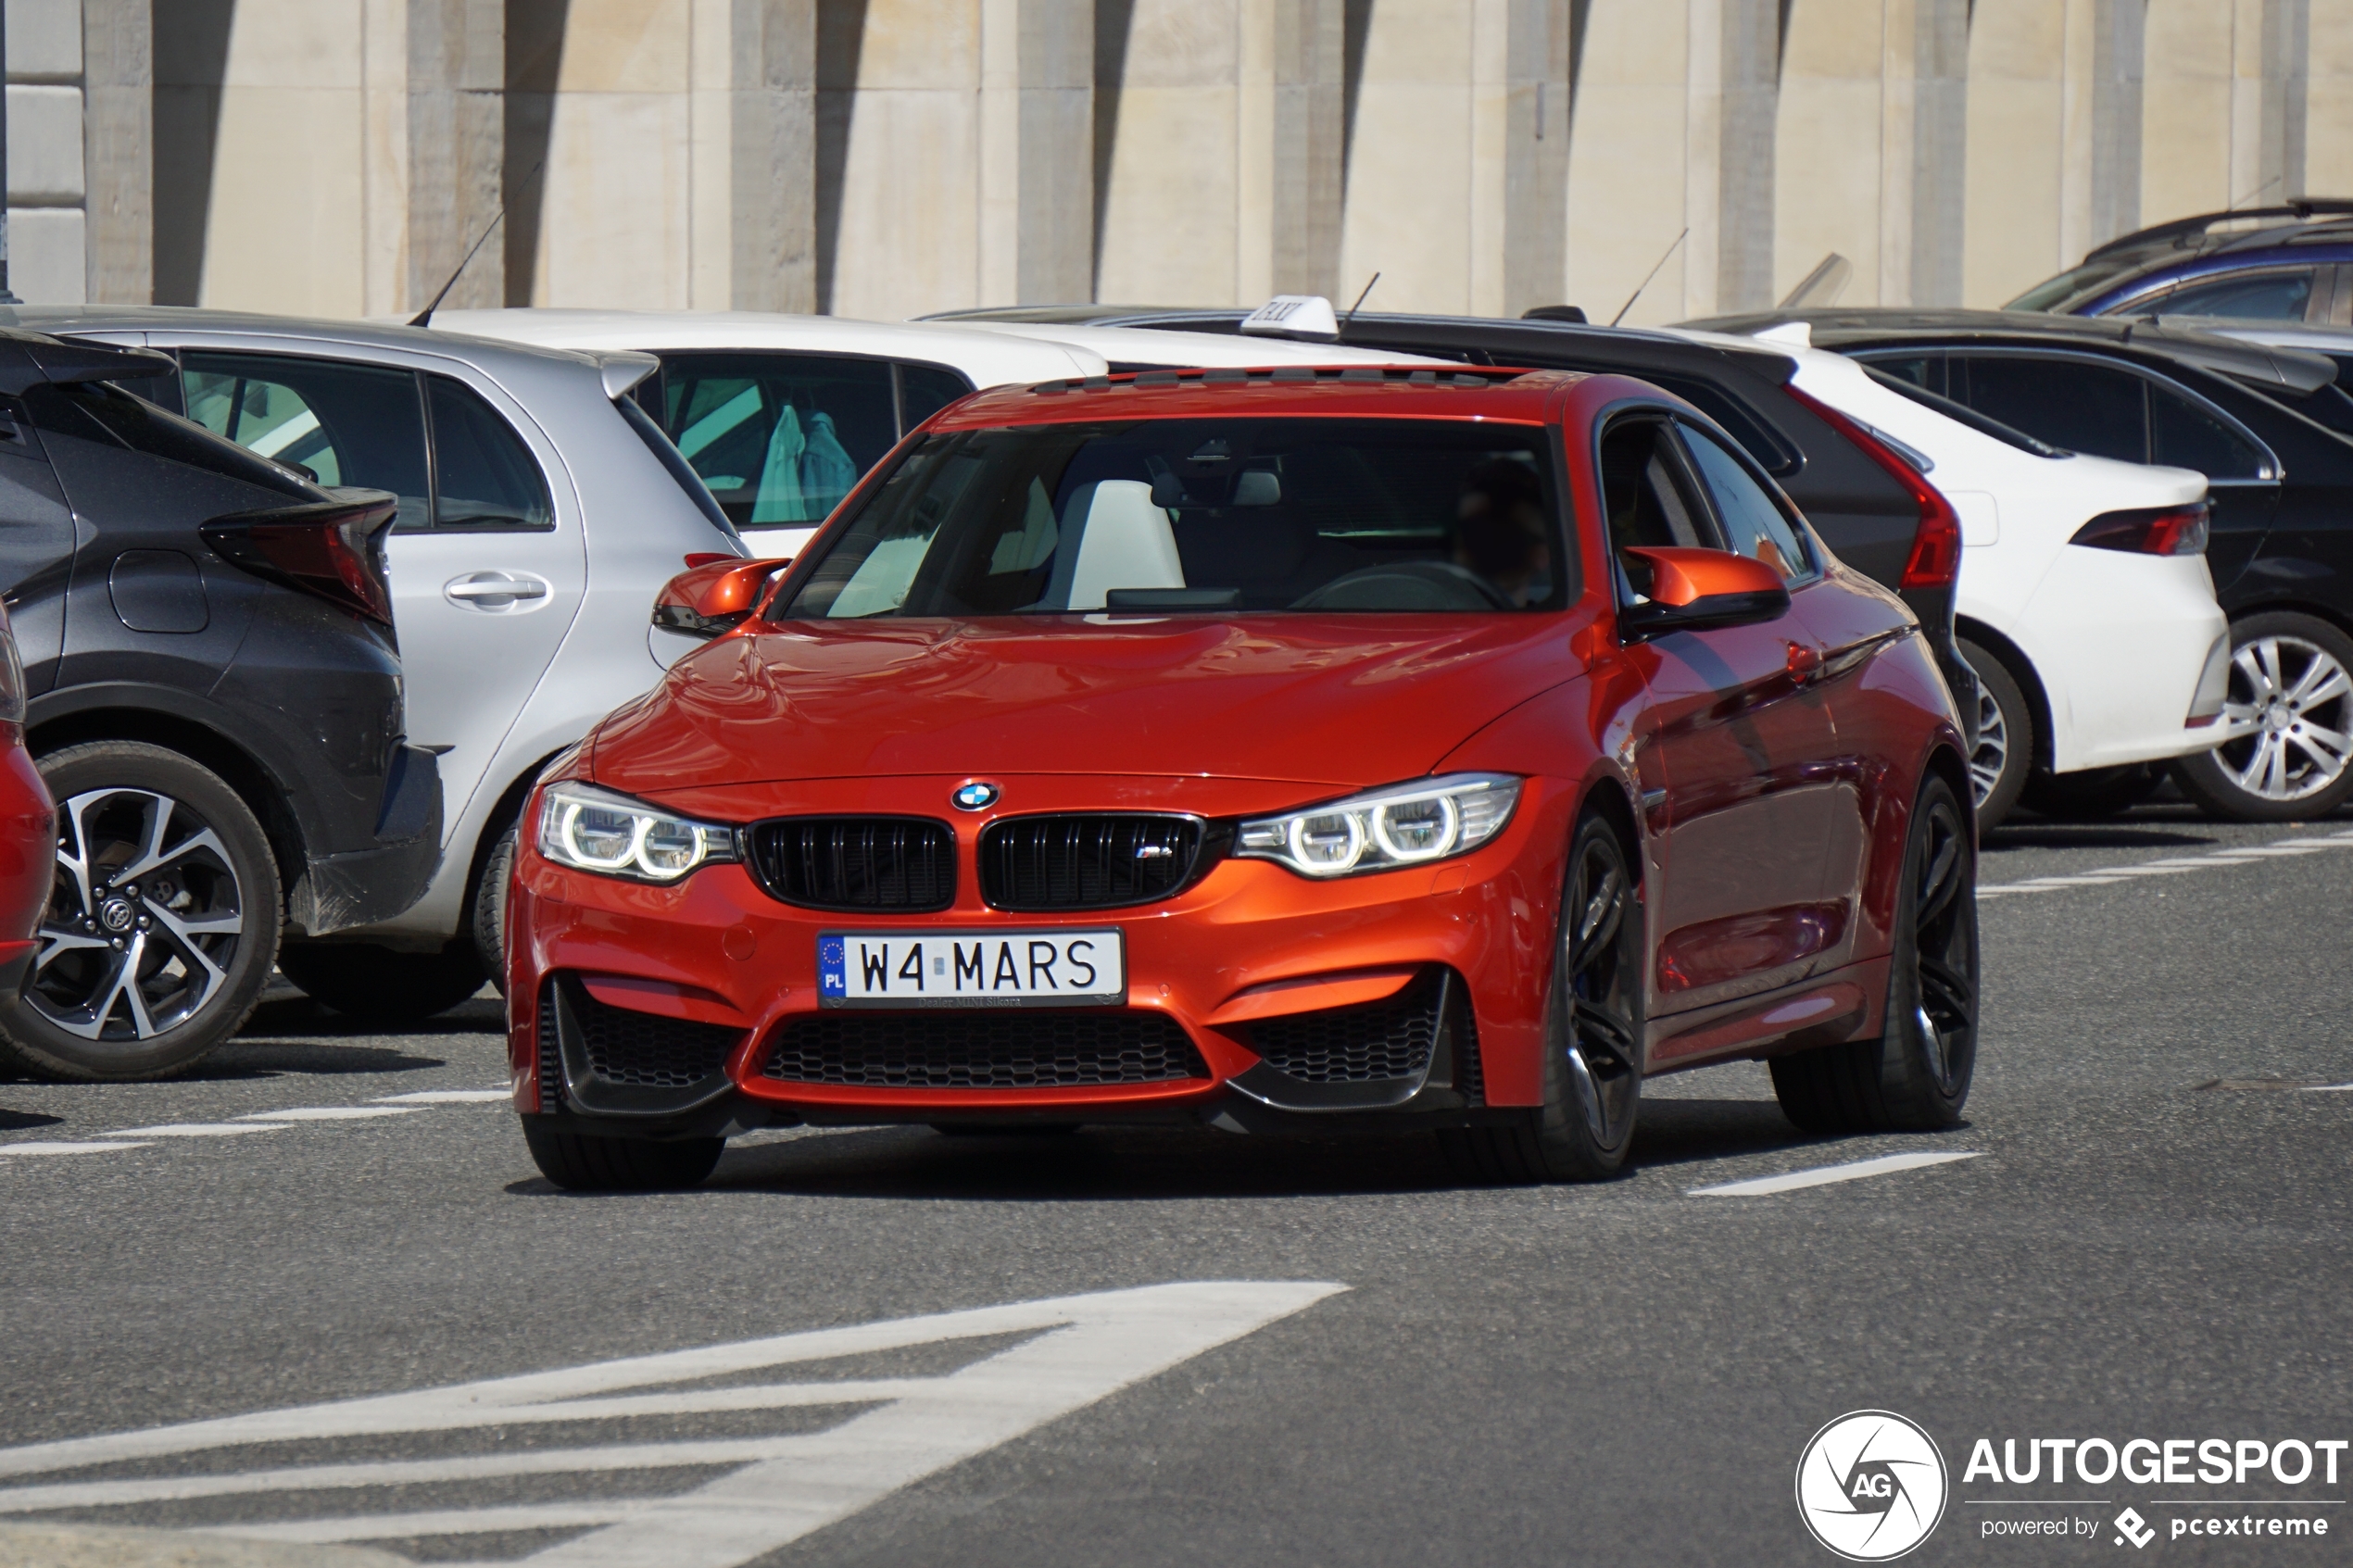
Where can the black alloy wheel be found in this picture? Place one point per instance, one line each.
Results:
(162, 926)
(2005, 754)
(1914, 1077)
(1594, 1032)
(2289, 715)
(581, 1162)
(364, 980)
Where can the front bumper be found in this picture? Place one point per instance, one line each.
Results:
(1232, 974)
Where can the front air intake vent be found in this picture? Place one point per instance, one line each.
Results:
(1382, 1042)
(893, 863)
(1092, 860)
(983, 1050)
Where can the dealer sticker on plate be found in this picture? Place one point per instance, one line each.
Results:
(902, 969)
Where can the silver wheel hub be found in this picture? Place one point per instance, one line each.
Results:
(2289, 717)
(144, 919)
(1993, 753)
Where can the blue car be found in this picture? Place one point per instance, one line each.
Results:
(2292, 263)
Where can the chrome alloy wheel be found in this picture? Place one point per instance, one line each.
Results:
(2289, 715)
(1600, 955)
(144, 921)
(1993, 753)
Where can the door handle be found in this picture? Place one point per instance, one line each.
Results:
(493, 590)
(1805, 664)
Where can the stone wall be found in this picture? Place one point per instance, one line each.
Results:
(888, 157)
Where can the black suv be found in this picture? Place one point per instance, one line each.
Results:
(1871, 509)
(2267, 426)
(215, 703)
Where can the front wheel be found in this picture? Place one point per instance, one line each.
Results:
(1592, 1076)
(1914, 1077)
(2004, 753)
(581, 1162)
(2291, 705)
(162, 926)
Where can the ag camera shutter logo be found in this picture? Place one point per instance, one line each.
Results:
(1870, 1485)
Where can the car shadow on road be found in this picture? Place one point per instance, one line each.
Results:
(22, 1121)
(1128, 1164)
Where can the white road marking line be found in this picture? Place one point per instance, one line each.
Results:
(447, 1096)
(1823, 1175)
(193, 1130)
(330, 1113)
(37, 1147)
(1080, 1349)
(2328, 1088)
(2239, 855)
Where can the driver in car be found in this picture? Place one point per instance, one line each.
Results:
(1499, 530)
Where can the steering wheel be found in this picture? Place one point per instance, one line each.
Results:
(1414, 585)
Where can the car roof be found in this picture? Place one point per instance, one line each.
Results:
(1341, 392)
(66, 320)
(2139, 337)
(987, 359)
(1147, 345)
(2191, 233)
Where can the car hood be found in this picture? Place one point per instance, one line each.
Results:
(1338, 700)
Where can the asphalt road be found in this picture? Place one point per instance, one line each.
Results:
(2151, 1241)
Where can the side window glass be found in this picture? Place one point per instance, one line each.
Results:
(484, 475)
(1645, 498)
(1753, 525)
(2260, 296)
(345, 425)
(923, 390)
(778, 438)
(2081, 407)
(1923, 371)
(2185, 435)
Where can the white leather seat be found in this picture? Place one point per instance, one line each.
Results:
(1126, 543)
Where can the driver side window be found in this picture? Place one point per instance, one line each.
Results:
(1756, 526)
(1648, 501)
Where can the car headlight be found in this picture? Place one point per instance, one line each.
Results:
(594, 830)
(1383, 828)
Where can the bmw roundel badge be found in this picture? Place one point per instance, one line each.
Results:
(975, 796)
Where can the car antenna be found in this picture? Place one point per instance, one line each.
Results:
(424, 318)
(1342, 329)
(1646, 279)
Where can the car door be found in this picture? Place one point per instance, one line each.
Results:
(1732, 755)
(487, 572)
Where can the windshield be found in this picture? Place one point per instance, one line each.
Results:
(1205, 517)
(2054, 294)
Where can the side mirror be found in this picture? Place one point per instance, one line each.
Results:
(1698, 590)
(715, 596)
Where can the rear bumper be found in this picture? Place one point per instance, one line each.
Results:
(364, 886)
(2120, 642)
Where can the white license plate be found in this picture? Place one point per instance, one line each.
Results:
(903, 969)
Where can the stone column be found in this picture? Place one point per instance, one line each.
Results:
(1310, 145)
(1056, 54)
(46, 233)
(1536, 156)
(1940, 148)
(456, 104)
(1752, 41)
(771, 156)
(2288, 33)
(2119, 29)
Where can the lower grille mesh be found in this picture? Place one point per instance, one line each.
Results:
(1023, 1049)
(643, 1050)
(1360, 1045)
(551, 1068)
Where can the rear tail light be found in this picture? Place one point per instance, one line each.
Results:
(2153, 531)
(333, 549)
(1936, 561)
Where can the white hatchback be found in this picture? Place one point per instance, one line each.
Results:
(2084, 603)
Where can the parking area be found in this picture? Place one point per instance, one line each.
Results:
(886, 1346)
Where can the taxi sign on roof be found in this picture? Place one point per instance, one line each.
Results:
(1294, 315)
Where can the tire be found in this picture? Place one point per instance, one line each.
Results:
(1914, 1077)
(1592, 1073)
(2094, 792)
(579, 1163)
(362, 980)
(199, 920)
(2292, 682)
(490, 909)
(2005, 739)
